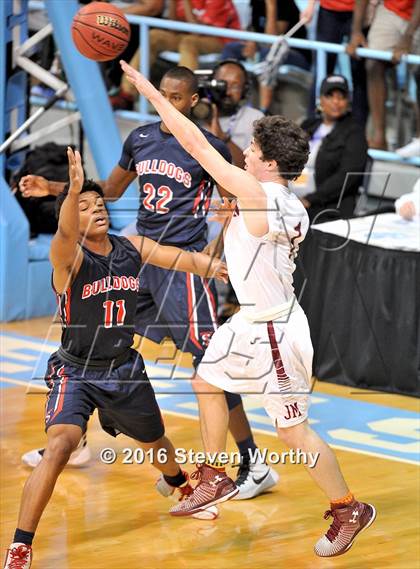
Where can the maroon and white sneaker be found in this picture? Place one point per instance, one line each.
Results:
(347, 523)
(213, 487)
(19, 556)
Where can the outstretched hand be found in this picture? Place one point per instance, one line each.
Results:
(218, 270)
(76, 175)
(33, 186)
(143, 85)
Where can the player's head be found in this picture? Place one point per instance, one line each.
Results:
(237, 84)
(93, 216)
(279, 147)
(179, 86)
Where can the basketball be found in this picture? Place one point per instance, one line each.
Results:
(100, 31)
(210, 513)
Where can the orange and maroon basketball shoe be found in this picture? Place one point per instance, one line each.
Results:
(347, 523)
(19, 556)
(213, 487)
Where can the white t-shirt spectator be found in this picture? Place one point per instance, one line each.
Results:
(240, 125)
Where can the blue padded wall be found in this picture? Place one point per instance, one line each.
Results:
(14, 245)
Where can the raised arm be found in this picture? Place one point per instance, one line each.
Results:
(32, 186)
(117, 182)
(238, 182)
(177, 259)
(357, 38)
(66, 254)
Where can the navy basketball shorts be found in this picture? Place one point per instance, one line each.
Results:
(124, 398)
(178, 305)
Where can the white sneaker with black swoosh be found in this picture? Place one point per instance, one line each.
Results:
(254, 478)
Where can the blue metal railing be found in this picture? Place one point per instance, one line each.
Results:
(321, 49)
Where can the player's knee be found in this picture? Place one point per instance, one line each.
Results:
(155, 445)
(293, 437)
(59, 449)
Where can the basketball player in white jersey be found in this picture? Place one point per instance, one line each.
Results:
(266, 348)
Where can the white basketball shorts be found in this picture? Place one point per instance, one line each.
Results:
(272, 360)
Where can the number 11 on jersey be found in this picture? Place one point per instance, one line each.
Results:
(109, 312)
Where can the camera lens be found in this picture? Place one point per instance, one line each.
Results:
(202, 111)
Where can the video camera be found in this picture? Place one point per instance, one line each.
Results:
(211, 91)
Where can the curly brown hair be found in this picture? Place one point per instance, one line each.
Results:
(285, 142)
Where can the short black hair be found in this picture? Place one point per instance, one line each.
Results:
(183, 74)
(88, 186)
(235, 62)
(285, 142)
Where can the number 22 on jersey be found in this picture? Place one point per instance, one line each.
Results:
(164, 193)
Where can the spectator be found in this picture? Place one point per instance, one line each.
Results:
(334, 25)
(395, 28)
(274, 17)
(408, 205)
(232, 120)
(219, 13)
(338, 154)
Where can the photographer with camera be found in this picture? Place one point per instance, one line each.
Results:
(223, 108)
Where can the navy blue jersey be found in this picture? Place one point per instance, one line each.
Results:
(97, 310)
(175, 191)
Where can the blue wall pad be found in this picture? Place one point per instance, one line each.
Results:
(14, 246)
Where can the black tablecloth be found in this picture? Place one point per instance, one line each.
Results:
(363, 307)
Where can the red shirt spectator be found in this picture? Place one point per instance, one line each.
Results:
(338, 5)
(403, 8)
(218, 13)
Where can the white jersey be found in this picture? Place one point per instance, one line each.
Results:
(261, 268)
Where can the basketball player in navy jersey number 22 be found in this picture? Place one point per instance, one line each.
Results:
(96, 279)
(266, 347)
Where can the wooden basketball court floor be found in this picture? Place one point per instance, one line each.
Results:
(110, 516)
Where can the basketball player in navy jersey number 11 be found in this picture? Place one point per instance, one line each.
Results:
(175, 192)
(96, 279)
